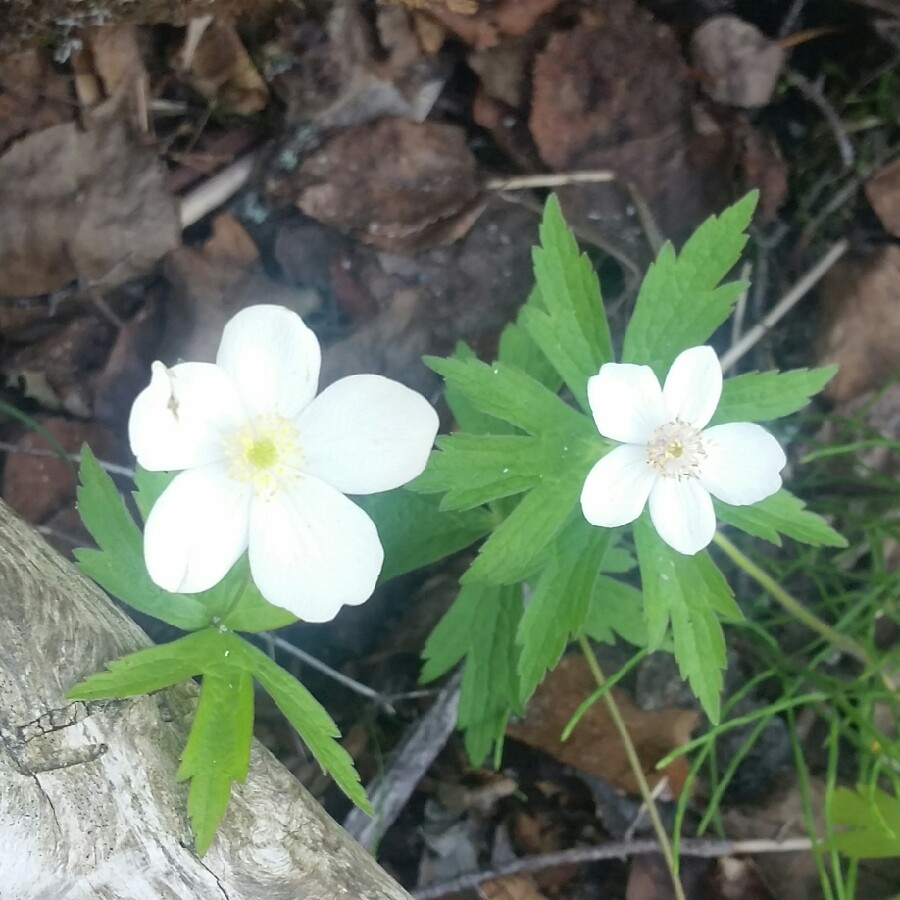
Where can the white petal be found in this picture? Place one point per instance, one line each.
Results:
(181, 418)
(366, 433)
(742, 464)
(693, 386)
(617, 487)
(682, 513)
(273, 358)
(626, 401)
(313, 551)
(197, 530)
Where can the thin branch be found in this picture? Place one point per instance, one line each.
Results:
(112, 468)
(216, 191)
(700, 848)
(815, 96)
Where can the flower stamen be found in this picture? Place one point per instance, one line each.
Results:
(676, 450)
(266, 453)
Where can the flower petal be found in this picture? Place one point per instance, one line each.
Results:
(273, 358)
(617, 487)
(742, 464)
(626, 401)
(197, 530)
(693, 386)
(313, 551)
(181, 418)
(682, 513)
(365, 434)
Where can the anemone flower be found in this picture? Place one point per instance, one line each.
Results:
(668, 457)
(264, 465)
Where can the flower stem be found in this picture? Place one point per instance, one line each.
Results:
(636, 769)
(791, 604)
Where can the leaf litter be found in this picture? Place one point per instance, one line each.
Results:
(379, 130)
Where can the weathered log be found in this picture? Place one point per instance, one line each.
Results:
(89, 806)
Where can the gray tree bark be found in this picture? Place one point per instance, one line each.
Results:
(89, 806)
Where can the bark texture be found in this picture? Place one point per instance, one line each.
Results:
(89, 807)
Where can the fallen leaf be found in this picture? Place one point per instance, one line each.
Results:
(883, 192)
(222, 71)
(393, 183)
(78, 205)
(33, 95)
(860, 323)
(739, 64)
(594, 746)
(512, 887)
(213, 283)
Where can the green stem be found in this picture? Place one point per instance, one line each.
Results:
(636, 769)
(791, 604)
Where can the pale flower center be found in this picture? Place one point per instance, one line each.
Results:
(266, 453)
(676, 450)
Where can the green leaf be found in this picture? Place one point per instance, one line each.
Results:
(415, 532)
(468, 415)
(509, 394)
(781, 513)
(218, 748)
(873, 819)
(559, 604)
(153, 668)
(252, 612)
(517, 348)
(762, 396)
(307, 715)
(519, 544)
(118, 566)
(679, 304)
(615, 607)
(691, 593)
(150, 486)
(480, 627)
(572, 333)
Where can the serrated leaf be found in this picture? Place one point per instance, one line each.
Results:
(873, 818)
(571, 330)
(480, 627)
(616, 608)
(502, 391)
(686, 591)
(781, 513)
(762, 396)
(467, 414)
(415, 532)
(517, 348)
(153, 668)
(679, 304)
(519, 544)
(559, 603)
(118, 566)
(244, 608)
(150, 486)
(218, 748)
(308, 716)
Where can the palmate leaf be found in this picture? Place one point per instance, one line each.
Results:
(218, 748)
(680, 303)
(872, 817)
(763, 396)
(569, 323)
(479, 627)
(690, 593)
(118, 565)
(615, 608)
(517, 348)
(781, 513)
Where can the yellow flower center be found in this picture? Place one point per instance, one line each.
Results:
(676, 450)
(266, 453)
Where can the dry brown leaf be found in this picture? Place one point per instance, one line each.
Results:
(594, 746)
(487, 25)
(512, 887)
(860, 328)
(397, 184)
(213, 283)
(78, 205)
(883, 191)
(33, 95)
(222, 71)
(740, 65)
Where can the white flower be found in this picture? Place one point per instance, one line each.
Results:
(668, 456)
(267, 463)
